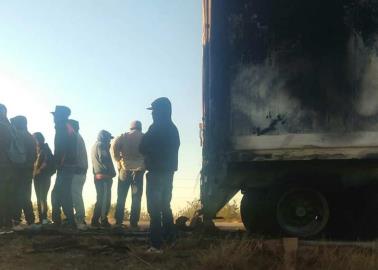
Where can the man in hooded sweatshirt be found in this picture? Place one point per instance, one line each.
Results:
(6, 190)
(65, 154)
(159, 147)
(103, 170)
(23, 175)
(79, 177)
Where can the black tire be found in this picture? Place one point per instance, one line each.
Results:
(369, 224)
(257, 213)
(345, 214)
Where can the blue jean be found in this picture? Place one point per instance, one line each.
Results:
(41, 186)
(77, 197)
(104, 194)
(135, 180)
(159, 195)
(6, 196)
(61, 196)
(22, 195)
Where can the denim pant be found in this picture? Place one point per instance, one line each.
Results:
(61, 196)
(104, 195)
(135, 180)
(159, 195)
(41, 186)
(77, 197)
(22, 190)
(6, 197)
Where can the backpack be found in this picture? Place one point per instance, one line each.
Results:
(17, 150)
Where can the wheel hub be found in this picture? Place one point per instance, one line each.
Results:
(302, 212)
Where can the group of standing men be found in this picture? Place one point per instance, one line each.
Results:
(24, 156)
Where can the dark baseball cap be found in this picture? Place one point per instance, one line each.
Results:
(162, 103)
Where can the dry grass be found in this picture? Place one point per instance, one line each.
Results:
(195, 252)
(254, 254)
(337, 258)
(239, 254)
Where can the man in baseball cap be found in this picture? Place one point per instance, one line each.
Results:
(161, 104)
(131, 171)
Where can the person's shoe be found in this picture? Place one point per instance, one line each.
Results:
(134, 228)
(82, 227)
(69, 226)
(46, 222)
(120, 225)
(153, 250)
(34, 227)
(105, 224)
(95, 224)
(18, 228)
(56, 225)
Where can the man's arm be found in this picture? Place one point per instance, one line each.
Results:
(61, 142)
(32, 145)
(146, 142)
(116, 149)
(5, 137)
(177, 138)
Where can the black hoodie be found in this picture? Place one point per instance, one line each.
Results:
(161, 143)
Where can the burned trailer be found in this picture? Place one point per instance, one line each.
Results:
(290, 114)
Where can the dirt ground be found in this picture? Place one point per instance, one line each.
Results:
(122, 249)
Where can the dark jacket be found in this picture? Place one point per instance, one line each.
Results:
(5, 141)
(160, 146)
(20, 124)
(31, 150)
(44, 165)
(103, 166)
(65, 146)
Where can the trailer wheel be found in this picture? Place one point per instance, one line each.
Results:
(302, 212)
(256, 214)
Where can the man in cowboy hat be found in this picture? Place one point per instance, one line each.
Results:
(65, 154)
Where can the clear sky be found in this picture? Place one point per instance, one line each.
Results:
(107, 60)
